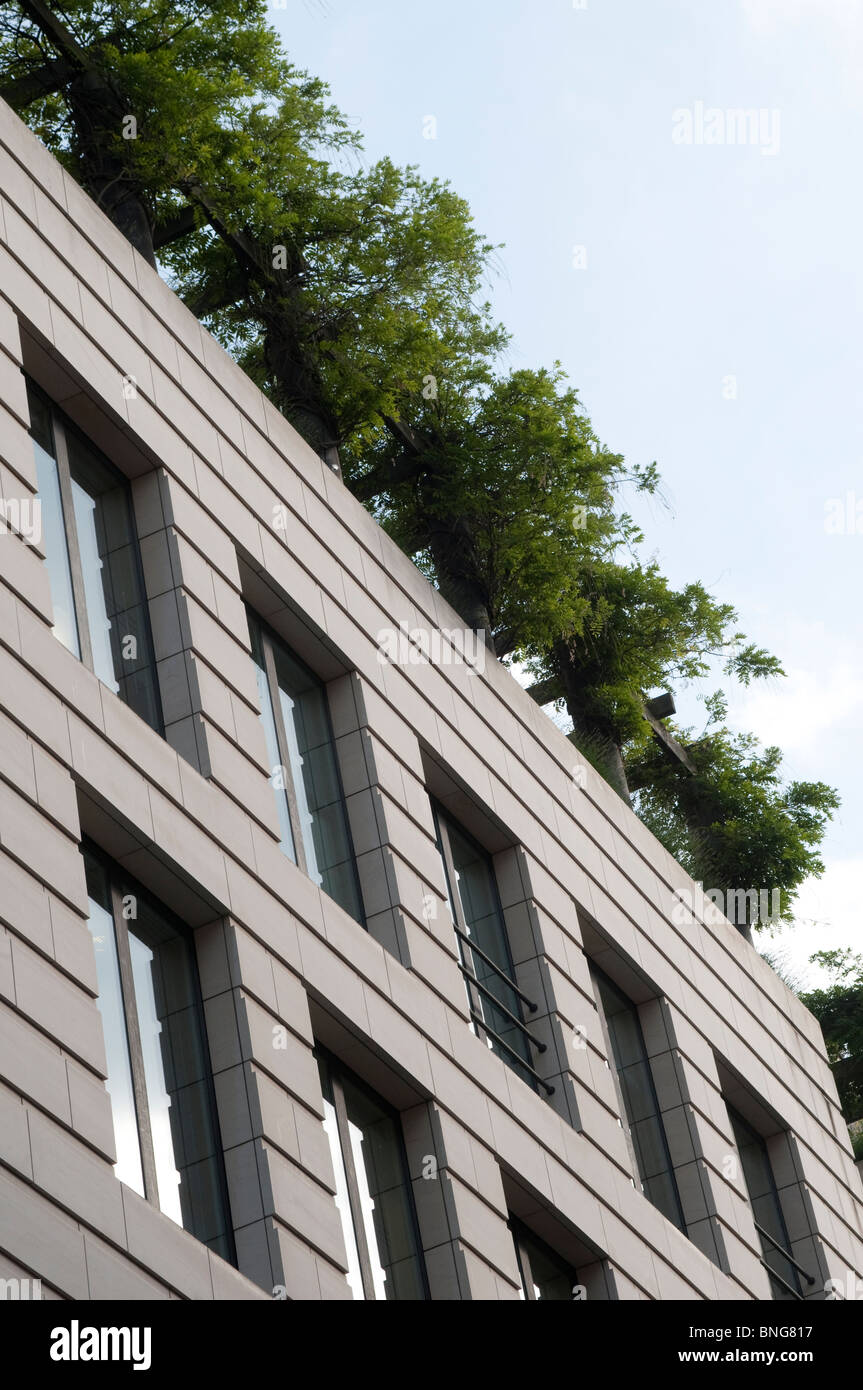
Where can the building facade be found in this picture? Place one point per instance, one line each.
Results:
(327, 970)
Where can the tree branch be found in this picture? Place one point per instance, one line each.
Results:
(21, 92)
(179, 224)
(54, 29)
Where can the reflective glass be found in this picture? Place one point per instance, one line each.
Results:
(110, 1005)
(766, 1207)
(53, 526)
(643, 1117)
(544, 1274)
(313, 770)
(478, 897)
(173, 1062)
(116, 604)
(100, 531)
(386, 1213)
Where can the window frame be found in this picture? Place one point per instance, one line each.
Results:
(117, 877)
(269, 639)
(336, 1072)
(522, 1233)
(442, 821)
(599, 975)
(739, 1121)
(61, 427)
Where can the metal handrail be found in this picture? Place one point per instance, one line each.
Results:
(496, 968)
(513, 1018)
(478, 1018)
(781, 1248)
(778, 1277)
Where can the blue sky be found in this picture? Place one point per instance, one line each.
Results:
(715, 324)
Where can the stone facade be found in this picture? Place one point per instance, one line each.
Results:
(233, 509)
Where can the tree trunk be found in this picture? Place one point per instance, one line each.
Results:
(99, 115)
(594, 739)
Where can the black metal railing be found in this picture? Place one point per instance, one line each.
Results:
(497, 1003)
(765, 1235)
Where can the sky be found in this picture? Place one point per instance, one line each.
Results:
(700, 280)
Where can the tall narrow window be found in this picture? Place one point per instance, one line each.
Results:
(783, 1269)
(638, 1094)
(159, 1079)
(373, 1191)
(305, 772)
(94, 567)
(544, 1275)
(494, 1000)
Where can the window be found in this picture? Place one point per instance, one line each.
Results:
(305, 773)
(494, 1000)
(159, 1081)
(760, 1182)
(544, 1275)
(637, 1091)
(94, 566)
(373, 1191)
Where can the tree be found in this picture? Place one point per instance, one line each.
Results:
(125, 93)
(334, 289)
(734, 825)
(353, 297)
(642, 635)
(342, 294)
(839, 1010)
(510, 493)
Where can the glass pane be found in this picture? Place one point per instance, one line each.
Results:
(342, 1200)
(116, 604)
(53, 526)
(551, 1278)
(176, 1068)
(277, 772)
(478, 898)
(323, 819)
(313, 773)
(158, 1100)
(388, 1226)
(643, 1117)
(110, 1005)
(766, 1207)
(385, 1196)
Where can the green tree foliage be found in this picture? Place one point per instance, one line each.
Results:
(334, 287)
(734, 824)
(839, 1010)
(354, 296)
(500, 508)
(186, 74)
(341, 293)
(641, 635)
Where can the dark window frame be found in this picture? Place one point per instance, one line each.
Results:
(118, 879)
(61, 429)
(600, 976)
(269, 640)
(336, 1073)
(768, 1243)
(521, 1234)
(476, 991)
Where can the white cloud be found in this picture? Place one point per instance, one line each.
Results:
(807, 710)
